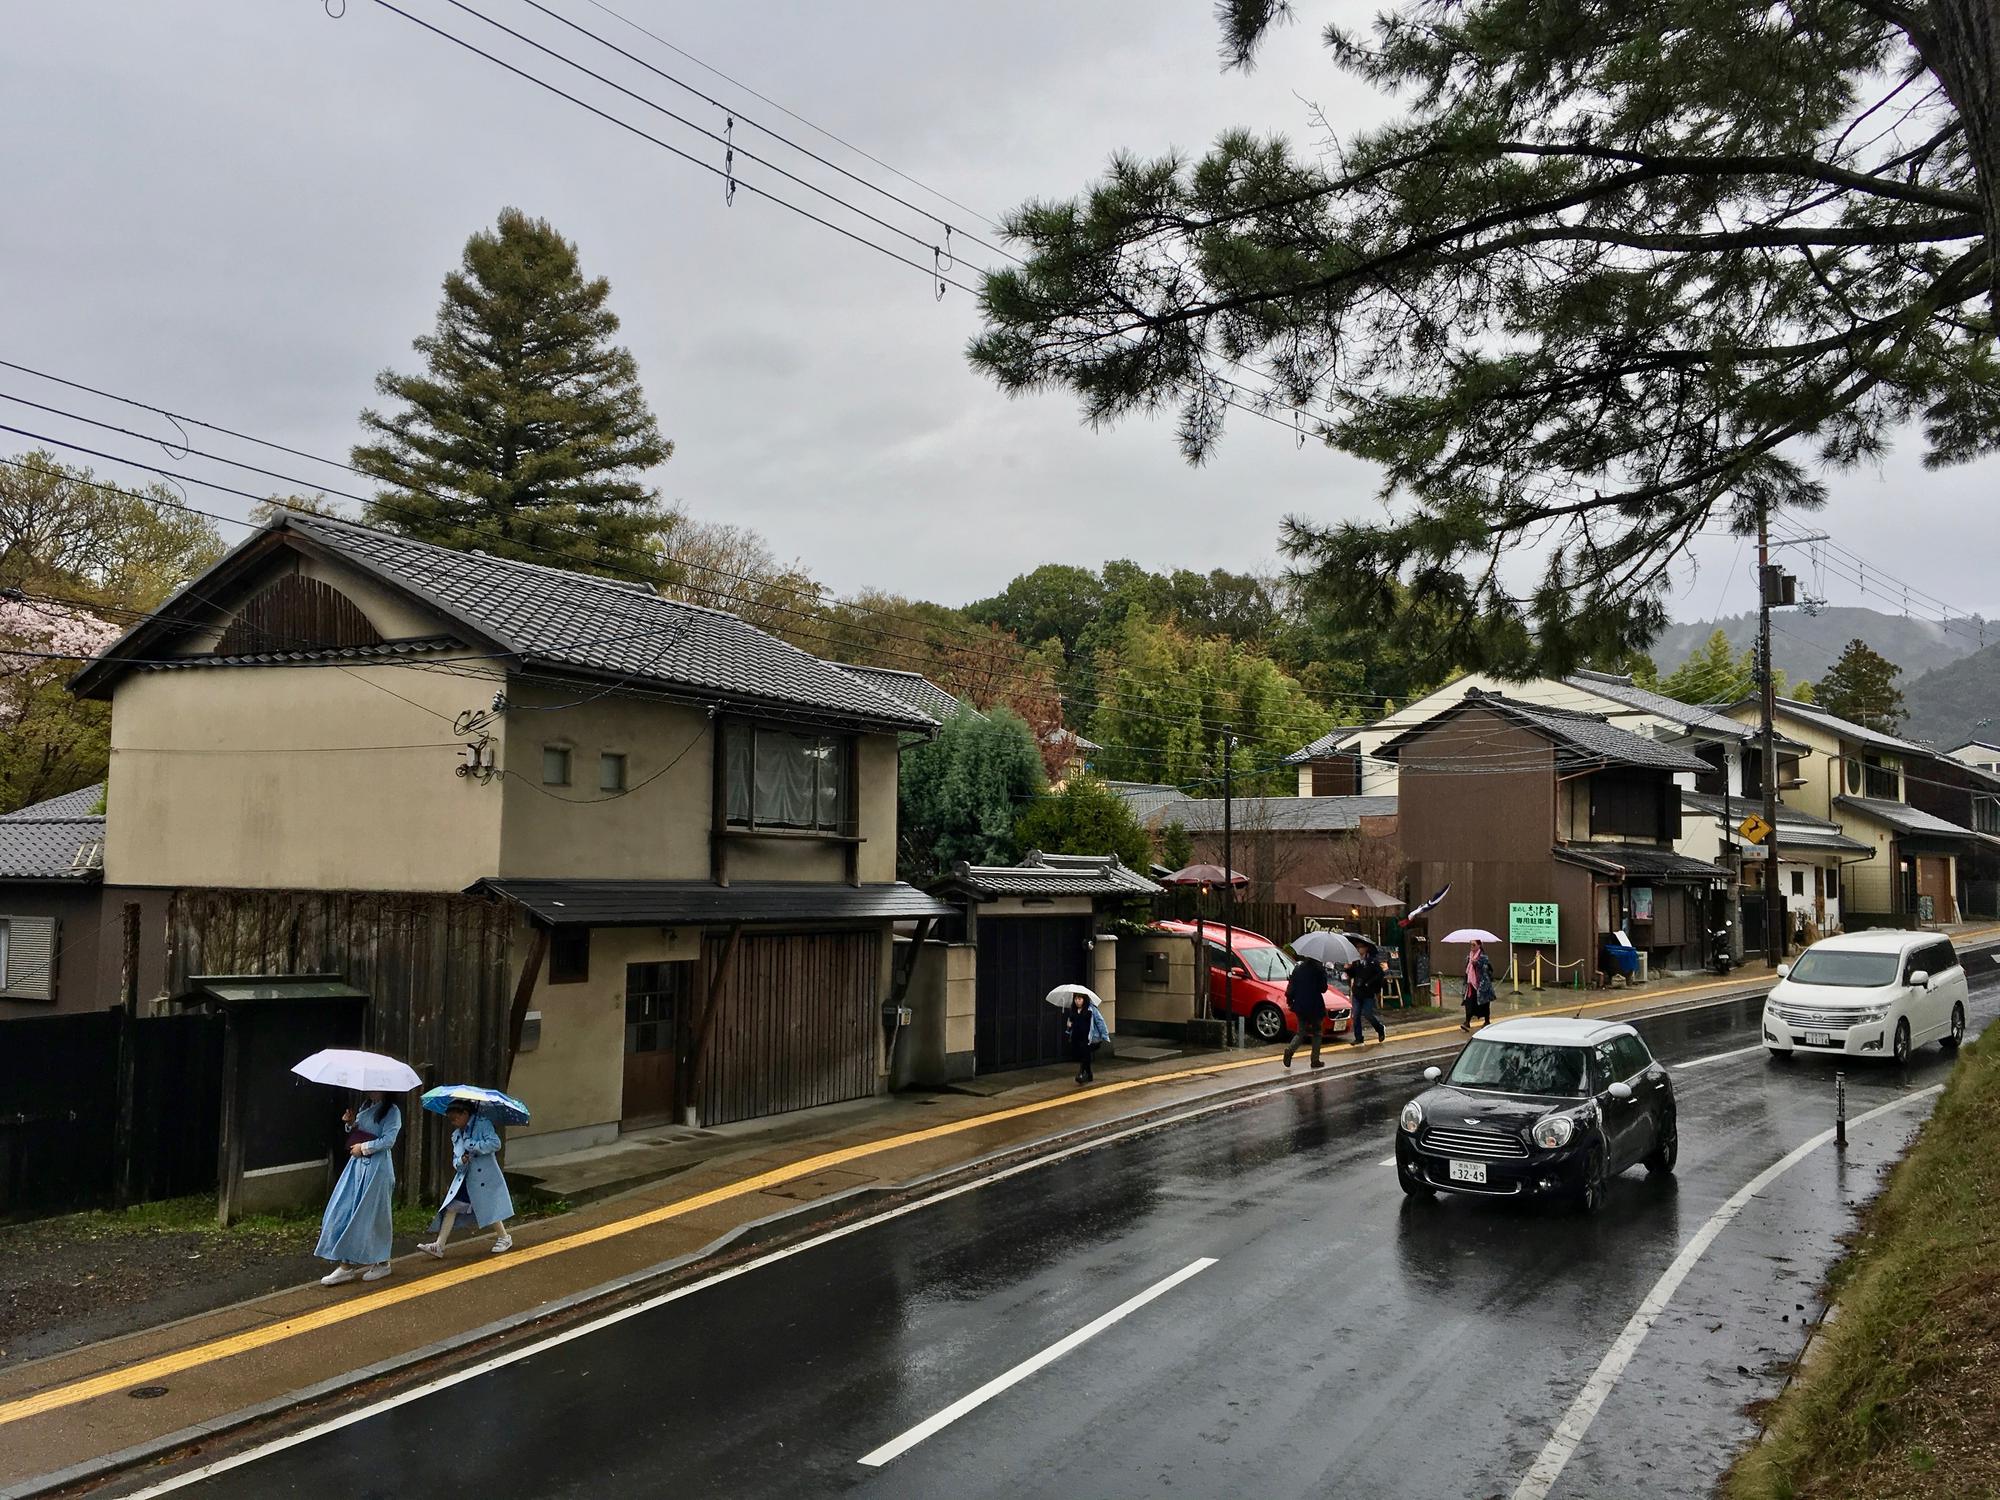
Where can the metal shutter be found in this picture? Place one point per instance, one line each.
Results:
(31, 958)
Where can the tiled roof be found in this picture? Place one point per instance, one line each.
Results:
(1145, 798)
(1847, 729)
(1906, 819)
(1621, 689)
(1326, 745)
(415, 646)
(1640, 861)
(81, 803)
(1796, 830)
(51, 848)
(913, 688)
(669, 903)
(1580, 740)
(572, 623)
(1280, 814)
(1051, 875)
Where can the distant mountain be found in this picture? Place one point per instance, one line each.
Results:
(1806, 645)
(1945, 707)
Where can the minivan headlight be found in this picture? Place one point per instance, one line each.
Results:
(1413, 1116)
(1870, 1013)
(1554, 1131)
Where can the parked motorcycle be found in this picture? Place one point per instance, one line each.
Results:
(1721, 951)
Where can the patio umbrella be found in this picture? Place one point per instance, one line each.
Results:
(364, 1072)
(489, 1102)
(1206, 875)
(1059, 996)
(1468, 935)
(1334, 949)
(1354, 895)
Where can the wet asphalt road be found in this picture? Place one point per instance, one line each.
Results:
(1346, 1342)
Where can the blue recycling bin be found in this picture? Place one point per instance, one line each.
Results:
(1619, 959)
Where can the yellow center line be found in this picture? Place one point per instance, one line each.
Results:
(152, 1370)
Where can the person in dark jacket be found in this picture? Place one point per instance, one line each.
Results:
(1364, 984)
(1305, 993)
(1478, 988)
(1083, 1025)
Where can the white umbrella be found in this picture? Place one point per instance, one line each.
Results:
(1059, 996)
(1334, 949)
(1468, 935)
(364, 1072)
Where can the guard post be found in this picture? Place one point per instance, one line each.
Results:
(1840, 1110)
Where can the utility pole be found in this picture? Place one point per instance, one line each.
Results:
(1228, 881)
(1769, 590)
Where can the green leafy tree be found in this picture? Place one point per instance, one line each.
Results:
(1714, 674)
(1611, 274)
(1176, 846)
(1164, 698)
(1056, 601)
(959, 794)
(1084, 817)
(1862, 686)
(527, 433)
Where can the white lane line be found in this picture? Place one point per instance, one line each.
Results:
(931, 1426)
(1715, 1057)
(1387, 1161)
(583, 1330)
(1568, 1436)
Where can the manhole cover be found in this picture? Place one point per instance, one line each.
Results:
(146, 1392)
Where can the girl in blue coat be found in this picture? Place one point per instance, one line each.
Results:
(479, 1188)
(359, 1220)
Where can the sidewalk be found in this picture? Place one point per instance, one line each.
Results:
(73, 1416)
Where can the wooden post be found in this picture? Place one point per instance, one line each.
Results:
(524, 991)
(128, 1010)
(229, 1153)
(718, 836)
(698, 1056)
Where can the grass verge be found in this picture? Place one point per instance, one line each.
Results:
(1899, 1397)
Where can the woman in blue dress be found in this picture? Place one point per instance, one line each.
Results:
(359, 1220)
(479, 1189)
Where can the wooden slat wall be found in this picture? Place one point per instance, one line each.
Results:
(435, 967)
(799, 1024)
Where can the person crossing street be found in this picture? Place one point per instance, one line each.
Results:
(1305, 993)
(1364, 984)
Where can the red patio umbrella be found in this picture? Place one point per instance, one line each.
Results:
(1206, 876)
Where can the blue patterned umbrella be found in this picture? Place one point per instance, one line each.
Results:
(489, 1102)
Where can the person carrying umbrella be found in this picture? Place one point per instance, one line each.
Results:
(1305, 993)
(479, 1188)
(359, 1221)
(1478, 987)
(1364, 984)
(1083, 1025)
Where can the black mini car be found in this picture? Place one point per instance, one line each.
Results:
(1539, 1107)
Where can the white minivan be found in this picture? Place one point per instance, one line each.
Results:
(1868, 994)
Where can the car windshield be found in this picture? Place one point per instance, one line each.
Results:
(1848, 971)
(1520, 1068)
(1266, 963)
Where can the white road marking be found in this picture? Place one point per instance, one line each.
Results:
(1387, 1161)
(1715, 1057)
(1568, 1436)
(931, 1426)
(515, 1356)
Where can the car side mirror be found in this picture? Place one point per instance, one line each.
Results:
(1239, 973)
(1622, 1092)
(1784, 971)
(1432, 1075)
(1921, 979)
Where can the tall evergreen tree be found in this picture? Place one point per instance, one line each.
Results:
(1714, 674)
(1862, 686)
(527, 434)
(959, 794)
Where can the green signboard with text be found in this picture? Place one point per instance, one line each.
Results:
(1531, 922)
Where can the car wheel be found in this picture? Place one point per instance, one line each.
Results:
(1591, 1198)
(1267, 1021)
(1667, 1150)
(1902, 1041)
(1950, 1043)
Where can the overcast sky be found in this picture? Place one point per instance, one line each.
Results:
(242, 209)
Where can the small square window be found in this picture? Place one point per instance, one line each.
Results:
(569, 956)
(1798, 882)
(555, 765)
(611, 773)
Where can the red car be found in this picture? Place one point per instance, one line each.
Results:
(1253, 985)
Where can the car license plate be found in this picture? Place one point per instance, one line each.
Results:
(1819, 1039)
(1468, 1171)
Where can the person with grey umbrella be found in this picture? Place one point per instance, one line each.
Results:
(1305, 993)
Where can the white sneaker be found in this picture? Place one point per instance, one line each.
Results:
(502, 1245)
(339, 1274)
(376, 1273)
(433, 1249)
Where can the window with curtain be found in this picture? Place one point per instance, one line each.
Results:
(777, 778)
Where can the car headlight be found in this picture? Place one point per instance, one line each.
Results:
(1871, 1013)
(1413, 1116)
(1554, 1131)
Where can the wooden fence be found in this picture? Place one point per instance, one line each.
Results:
(1277, 920)
(435, 967)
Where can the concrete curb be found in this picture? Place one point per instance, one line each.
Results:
(785, 1224)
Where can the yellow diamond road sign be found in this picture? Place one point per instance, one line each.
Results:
(1754, 828)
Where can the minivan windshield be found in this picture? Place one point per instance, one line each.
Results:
(1520, 1068)
(1845, 970)
(1266, 963)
